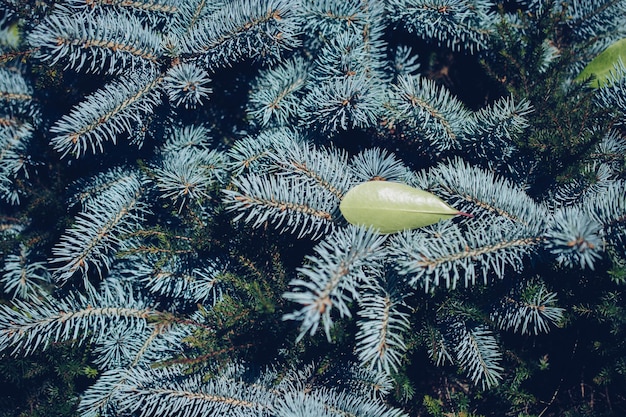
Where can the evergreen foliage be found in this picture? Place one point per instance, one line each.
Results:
(170, 179)
(22, 278)
(95, 235)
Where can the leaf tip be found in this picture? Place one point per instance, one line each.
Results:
(464, 214)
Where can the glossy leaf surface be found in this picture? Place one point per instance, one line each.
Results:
(603, 65)
(391, 207)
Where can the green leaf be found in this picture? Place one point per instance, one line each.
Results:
(604, 64)
(391, 207)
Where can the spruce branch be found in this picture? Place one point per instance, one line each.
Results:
(191, 12)
(120, 107)
(476, 189)
(594, 19)
(330, 19)
(98, 231)
(353, 53)
(243, 29)
(167, 7)
(611, 97)
(142, 346)
(445, 252)
(342, 57)
(16, 95)
(609, 209)
(139, 345)
(29, 327)
(343, 403)
(329, 402)
(406, 62)
(109, 43)
(379, 165)
(277, 93)
(173, 279)
(22, 278)
(92, 240)
(300, 404)
(253, 154)
(270, 199)
(575, 238)
(345, 103)
(187, 85)
(323, 167)
(100, 398)
(13, 150)
(438, 350)
(381, 324)
(505, 118)
(14, 160)
(348, 72)
(458, 24)
(19, 117)
(189, 174)
(530, 308)
(189, 137)
(593, 183)
(342, 265)
(611, 150)
(90, 192)
(431, 111)
(119, 344)
(366, 381)
(169, 392)
(490, 139)
(298, 188)
(478, 352)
